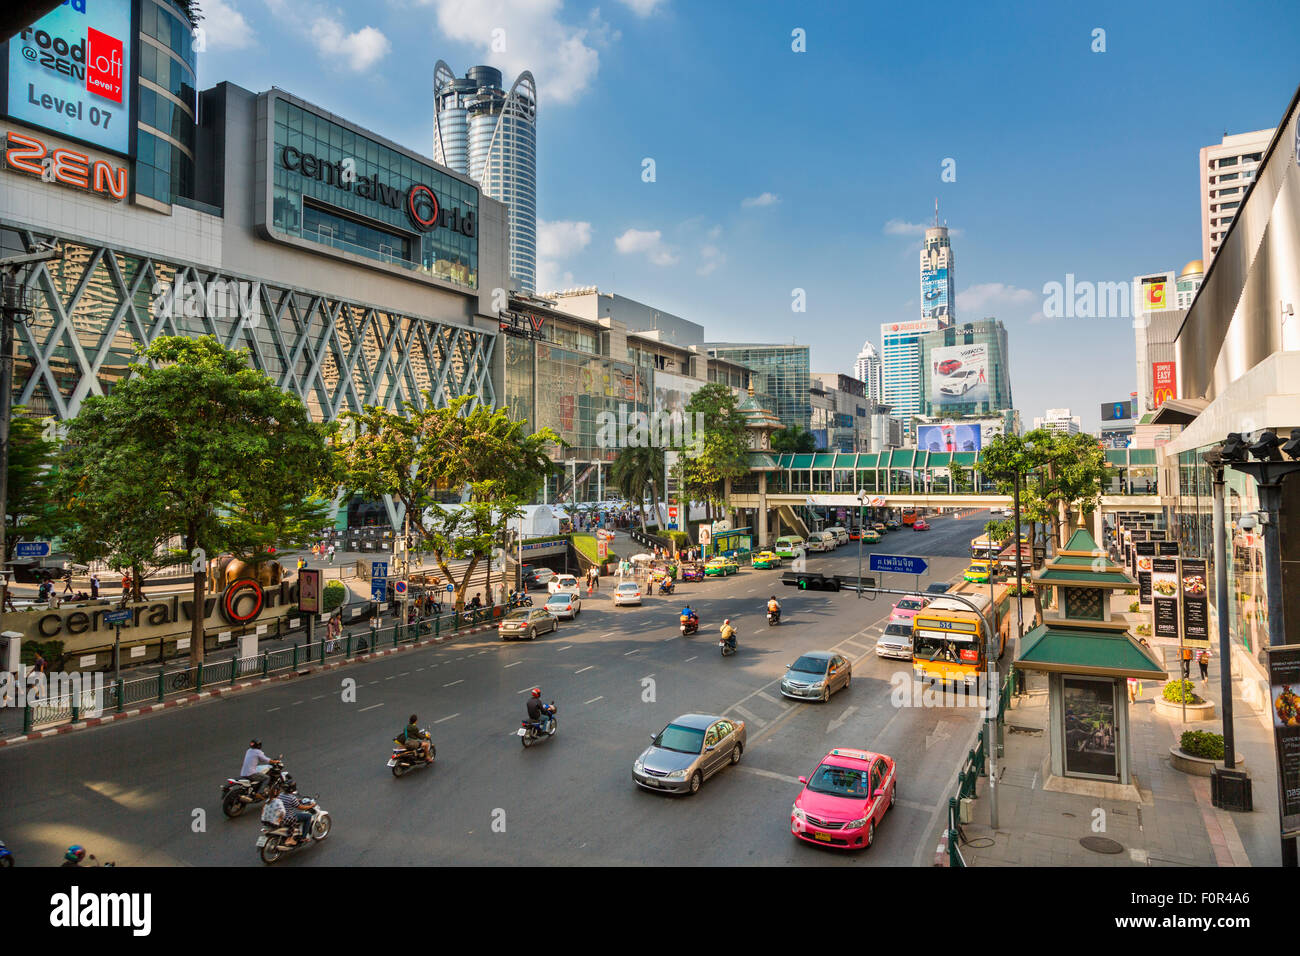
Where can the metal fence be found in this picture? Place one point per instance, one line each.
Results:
(972, 768)
(117, 695)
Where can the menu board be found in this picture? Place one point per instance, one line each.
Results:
(1284, 679)
(1144, 554)
(1164, 594)
(1196, 615)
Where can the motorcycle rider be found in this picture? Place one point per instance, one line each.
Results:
(253, 759)
(413, 740)
(688, 614)
(774, 607)
(728, 633)
(537, 711)
(293, 809)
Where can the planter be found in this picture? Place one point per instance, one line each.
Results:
(1199, 766)
(1203, 711)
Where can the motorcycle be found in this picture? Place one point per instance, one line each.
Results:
(529, 732)
(403, 760)
(773, 617)
(6, 857)
(270, 845)
(666, 587)
(728, 647)
(522, 600)
(689, 625)
(239, 793)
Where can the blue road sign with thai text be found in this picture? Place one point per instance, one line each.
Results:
(902, 563)
(118, 617)
(33, 549)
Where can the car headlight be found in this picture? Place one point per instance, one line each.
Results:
(638, 766)
(854, 824)
(677, 775)
(798, 814)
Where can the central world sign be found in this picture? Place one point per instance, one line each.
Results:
(420, 202)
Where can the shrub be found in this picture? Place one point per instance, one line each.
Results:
(335, 593)
(1201, 743)
(1182, 692)
(1134, 607)
(1130, 590)
(1143, 630)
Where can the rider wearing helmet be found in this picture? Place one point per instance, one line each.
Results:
(537, 711)
(774, 607)
(728, 633)
(74, 856)
(413, 739)
(254, 763)
(293, 808)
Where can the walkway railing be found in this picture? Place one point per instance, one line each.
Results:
(972, 768)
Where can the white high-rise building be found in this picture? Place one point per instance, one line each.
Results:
(867, 369)
(490, 135)
(938, 284)
(1227, 170)
(1060, 420)
(900, 367)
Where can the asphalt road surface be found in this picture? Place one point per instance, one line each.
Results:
(145, 791)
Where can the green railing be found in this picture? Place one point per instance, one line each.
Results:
(972, 768)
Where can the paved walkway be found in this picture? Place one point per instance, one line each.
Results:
(1174, 825)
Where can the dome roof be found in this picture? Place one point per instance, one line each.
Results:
(1194, 268)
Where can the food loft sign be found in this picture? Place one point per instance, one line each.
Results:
(420, 202)
(241, 603)
(27, 154)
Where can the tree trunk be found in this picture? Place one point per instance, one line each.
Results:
(196, 598)
(464, 583)
(654, 498)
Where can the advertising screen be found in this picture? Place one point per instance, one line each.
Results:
(949, 436)
(934, 292)
(1117, 411)
(959, 374)
(70, 73)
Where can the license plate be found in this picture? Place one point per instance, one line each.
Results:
(392, 763)
(261, 841)
(521, 732)
(824, 837)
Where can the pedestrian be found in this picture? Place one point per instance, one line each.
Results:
(331, 553)
(1203, 659)
(126, 583)
(1134, 688)
(39, 667)
(1187, 663)
(94, 587)
(67, 582)
(43, 592)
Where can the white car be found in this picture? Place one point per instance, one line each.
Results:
(563, 605)
(822, 541)
(895, 642)
(841, 535)
(629, 592)
(564, 584)
(1008, 513)
(960, 382)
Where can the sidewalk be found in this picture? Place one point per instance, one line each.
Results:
(1174, 825)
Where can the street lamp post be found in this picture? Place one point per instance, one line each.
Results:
(1214, 458)
(861, 530)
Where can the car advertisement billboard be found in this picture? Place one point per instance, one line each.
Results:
(70, 73)
(959, 374)
(949, 436)
(934, 292)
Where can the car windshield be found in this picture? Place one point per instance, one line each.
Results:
(627, 587)
(559, 599)
(898, 631)
(840, 781)
(517, 616)
(810, 665)
(910, 604)
(685, 740)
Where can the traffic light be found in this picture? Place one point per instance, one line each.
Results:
(806, 581)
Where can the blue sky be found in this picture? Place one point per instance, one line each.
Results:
(777, 170)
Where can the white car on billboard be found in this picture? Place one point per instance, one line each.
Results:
(960, 382)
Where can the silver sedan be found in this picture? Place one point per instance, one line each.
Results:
(688, 751)
(816, 675)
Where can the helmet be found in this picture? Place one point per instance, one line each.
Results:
(727, 621)
(289, 784)
(75, 853)
(537, 692)
(256, 743)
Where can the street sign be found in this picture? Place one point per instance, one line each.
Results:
(118, 617)
(399, 588)
(309, 590)
(902, 563)
(451, 588)
(32, 549)
(378, 589)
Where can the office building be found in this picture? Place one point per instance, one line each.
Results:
(900, 367)
(964, 370)
(1188, 284)
(1227, 169)
(1158, 312)
(1060, 420)
(785, 371)
(938, 283)
(490, 135)
(841, 419)
(867, 369)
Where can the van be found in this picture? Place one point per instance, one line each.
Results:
(821, 541)
(788, 547)
(841, 534)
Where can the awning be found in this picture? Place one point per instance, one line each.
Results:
(1179, 411)
(1053, 647)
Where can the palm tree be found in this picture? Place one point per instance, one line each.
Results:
(636, 469)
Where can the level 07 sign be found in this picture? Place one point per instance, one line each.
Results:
(900, 563)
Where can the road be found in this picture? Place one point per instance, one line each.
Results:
(145, 791)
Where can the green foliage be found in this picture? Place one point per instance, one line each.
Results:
(1059, 471)
(1202, 743)
(586, 545)
(794, 440)
(1143, 630)
(335, 592)
(52, 651)
(1000, 530)
(721, 452)
(635, 471)
(30, 509)
(1181, 691)
(1134, 607)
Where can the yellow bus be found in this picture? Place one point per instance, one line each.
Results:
(950, 641)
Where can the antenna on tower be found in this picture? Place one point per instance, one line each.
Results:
(936, 210)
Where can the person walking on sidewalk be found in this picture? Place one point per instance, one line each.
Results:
(331, 554)
(94, 587)
(1187, 663)
(1203, 659)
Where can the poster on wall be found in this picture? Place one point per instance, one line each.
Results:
(1284, 680)
(949, 436)
(959, 374)
(1089, 719)
(1144, 552)
(1196, 609)
(1164, 381)
(70, 73)
(1164, 595)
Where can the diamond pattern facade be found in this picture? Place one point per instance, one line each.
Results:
(94, 306)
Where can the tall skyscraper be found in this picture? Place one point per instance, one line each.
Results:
(900, 367)
(867, 369)
(938, 285)
(1227, 170)
(491, 136)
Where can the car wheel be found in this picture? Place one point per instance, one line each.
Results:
(736, 751)
(532, 633)
(871, 832)
(893, 795)
(848, 680)
(826, 693)
(696, 780)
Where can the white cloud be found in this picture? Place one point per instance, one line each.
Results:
(763, 199)
(561, 56)
(642, 8)
(360, 49)
(557, 240)
(980, 297)
(646, 242)
(710, 258)
(224, 27)
(899, 227)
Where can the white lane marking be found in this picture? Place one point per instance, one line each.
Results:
(454, 683)
(319, 696)
(633, 651)
(607, 634)
(448, 717)
(371, 707)
(514, 664)
(770, 774)
(587, 668)
(838, 722)
(403, 673)
(295, 703)
(768, 697)
(418, 669)
(374, 682)
(564, 648)
(748, 717)
(271, 710)
(689, 659)
(390, 677)
(594, 699)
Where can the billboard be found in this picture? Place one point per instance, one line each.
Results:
(916, 327)
(1153, 292)
(70, 73)
(934, 292)
(1164, 381)
(1117, 411)
(949, 436)
(959, 374)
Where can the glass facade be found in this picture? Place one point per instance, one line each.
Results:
(786, 377)
(337, 187)
(166, 120)
(995, 398)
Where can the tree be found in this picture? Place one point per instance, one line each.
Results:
(719, 453)
(794, 440)
(415, 455)
(999, 531)
(195, 434)
(635, 471)
(30, 510)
